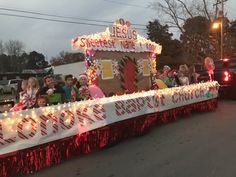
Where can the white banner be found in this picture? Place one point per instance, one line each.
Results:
(28, 128)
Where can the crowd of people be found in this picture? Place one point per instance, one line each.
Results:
(31, 95)
(168, 77)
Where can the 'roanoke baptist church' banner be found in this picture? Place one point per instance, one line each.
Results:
(28, 128)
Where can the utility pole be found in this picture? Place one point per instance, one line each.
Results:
(222, 30)
(221, 15)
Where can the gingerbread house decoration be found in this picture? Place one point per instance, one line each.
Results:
(119, 60)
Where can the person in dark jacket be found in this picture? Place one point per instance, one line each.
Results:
(54, 92)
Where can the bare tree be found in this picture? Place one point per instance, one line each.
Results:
(14, 47)
(1, 47)
(176, 12)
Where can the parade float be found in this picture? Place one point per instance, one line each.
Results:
(121, 63)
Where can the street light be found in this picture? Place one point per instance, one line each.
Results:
(215, 26)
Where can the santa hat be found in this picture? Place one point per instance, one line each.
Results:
(171, 71)
(166, 68)
(83, 75)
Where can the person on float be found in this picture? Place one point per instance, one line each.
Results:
(183, 79)
(83, 90)
(95, 92)
(175, 75)
(159, 84)
(166, 69)
(210, 66)
(22, 94)
(184, 69)
(193, 76)
(32, 91)
(53, 91)
(170, 79)
(70, 89)
(28, 95)
(42, 101)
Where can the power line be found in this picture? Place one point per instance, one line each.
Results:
(127, 4)
(56, 20)
(219, 2)
(59, 16)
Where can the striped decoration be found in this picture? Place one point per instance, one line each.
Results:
(122, 65)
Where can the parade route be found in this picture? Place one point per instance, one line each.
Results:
(202, 145)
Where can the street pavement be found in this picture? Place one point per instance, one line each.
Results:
(201, 145)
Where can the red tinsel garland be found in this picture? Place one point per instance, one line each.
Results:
(33, 159)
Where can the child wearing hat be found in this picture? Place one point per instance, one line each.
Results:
(170, 79)
(84, 93)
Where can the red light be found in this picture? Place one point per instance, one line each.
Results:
(227, 76)
(225, 60)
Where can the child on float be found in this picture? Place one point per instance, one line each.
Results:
(71, 92)
(21, 104)
(54, 92)
(42, 101)
(158, 83)
(165, 70)
(166, 76)
(28, 94)
(183, 75)
(170, 79)
(83, 91)
(32, 91)
(193, 75)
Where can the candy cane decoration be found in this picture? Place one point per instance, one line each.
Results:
(5, 141)
(43, 123)
(82, 116)
(132, 105)
(149, 105)
(99, 112)
(68, 115)
(32, 129)
(119, 105)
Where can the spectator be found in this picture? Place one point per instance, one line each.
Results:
(69, 89)
(42, 101)
(54, 92)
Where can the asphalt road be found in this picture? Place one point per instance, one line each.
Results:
(202, 145)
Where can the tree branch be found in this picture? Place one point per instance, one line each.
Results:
(206, 10)
(185, 7)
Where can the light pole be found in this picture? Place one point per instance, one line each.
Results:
(220, 24)
(222, 31)
(216, 26)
